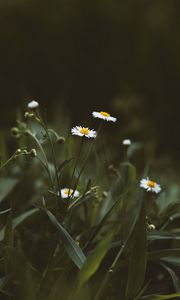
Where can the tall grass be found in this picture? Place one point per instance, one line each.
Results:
(74, 226)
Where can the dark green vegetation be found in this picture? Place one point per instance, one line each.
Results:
(98, 246)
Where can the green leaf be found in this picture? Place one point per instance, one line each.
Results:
(132, 211)
(167, 255)
(73, 250)
(18, 220)
(2, 212)
(6, 186)
(28, 278)
(63, 164)
(162, 235)
(114, 207)
(77, 202)
(161, 297)
(138, 257)
(131, 174)
(9, 237)
(172, 260)
(93, 262)
(176, 281)
(159, 254)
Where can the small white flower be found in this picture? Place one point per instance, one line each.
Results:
(69, 193)
(33, 104)
(83, 131)
(150, 185)
(126, 142)
(104, 116)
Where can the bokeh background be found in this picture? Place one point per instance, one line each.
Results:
(121, 56)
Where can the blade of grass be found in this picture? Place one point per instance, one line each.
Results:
(93, 262)
(138, 257)
(18, 220)
(175, 279)
(73, 250)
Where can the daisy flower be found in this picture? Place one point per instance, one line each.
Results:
(104, 116)
(66, 193)
(150, 185)
(126, 142)
(33, 104)
(83, 131)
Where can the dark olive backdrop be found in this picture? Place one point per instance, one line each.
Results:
(94, 54)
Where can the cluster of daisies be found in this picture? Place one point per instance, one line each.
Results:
(91, 133)
(145, 183)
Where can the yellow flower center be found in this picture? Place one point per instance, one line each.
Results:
(68, 192)
(84, 130)
(105, 114)
(151, 184)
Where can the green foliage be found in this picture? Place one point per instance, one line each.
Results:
(71, 246)
(76, 225)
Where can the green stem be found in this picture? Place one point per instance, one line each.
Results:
(75, 166)
(43, 152)
(86, 160)
(109, 272)
(7, 162)
(55, 165)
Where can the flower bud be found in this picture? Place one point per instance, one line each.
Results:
(151, 227)
(15, 132)
(25, 152)
(33, 152)
(33, 104)
(26, 114)
(126, 142)
(18, 151)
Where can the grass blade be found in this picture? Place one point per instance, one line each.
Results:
(73, 250)
(138, 257)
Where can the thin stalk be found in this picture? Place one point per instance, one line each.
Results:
(43, 124)
(7, 162)
(55, 167)
(75, 166)
(43, 152)
(88, 155)
(109, 272)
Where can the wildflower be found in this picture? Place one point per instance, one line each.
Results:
(103, 115)
(66, 193)
(150, 186)
(83, 131)
(33, 104)
(126, 142)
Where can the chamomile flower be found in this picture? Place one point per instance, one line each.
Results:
(84, 131)
(104, 116)
(69, 193)
(33, 104)
(150, 185)
(126, 142)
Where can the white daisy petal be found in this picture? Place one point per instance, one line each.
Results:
(69, 193)
(150, 185)
(104, 116)
(83, 131)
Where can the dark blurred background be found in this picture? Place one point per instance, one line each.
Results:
(116, 55)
